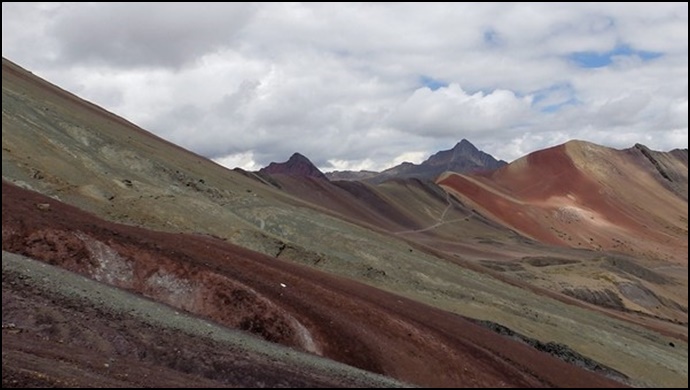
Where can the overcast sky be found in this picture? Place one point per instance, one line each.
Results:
(366, 86)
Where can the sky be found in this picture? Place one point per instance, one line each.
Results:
(368, 85)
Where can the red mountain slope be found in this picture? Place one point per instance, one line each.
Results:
(583, 195)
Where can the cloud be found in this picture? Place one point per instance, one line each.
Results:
(362, 84)
(146, 34)
(450, 111)
(243, 160)
(345, 165)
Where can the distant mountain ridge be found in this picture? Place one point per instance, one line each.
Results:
(464, 157)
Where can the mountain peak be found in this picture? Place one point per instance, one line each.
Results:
(465, 144)
(297, 157)
(463, 157)
(297, 165)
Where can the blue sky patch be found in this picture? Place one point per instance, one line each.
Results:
(555, 97)
(491, 37)
(556, 107)
(592, 59)
(432, 83)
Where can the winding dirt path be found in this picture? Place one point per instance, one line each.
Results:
(441, 220)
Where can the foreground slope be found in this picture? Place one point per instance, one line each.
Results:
(63, 330)
(276, 300)
(66, 148)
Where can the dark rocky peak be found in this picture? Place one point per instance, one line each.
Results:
(297, 165)
(466, 147)
(464, 156)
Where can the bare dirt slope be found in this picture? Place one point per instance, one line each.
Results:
(60, 329)
(279, 301)
(583, 195)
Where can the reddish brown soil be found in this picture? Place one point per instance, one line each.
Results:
(500, 208)
(549, 173)
(347, 321)
(548, 198)
(54, 341)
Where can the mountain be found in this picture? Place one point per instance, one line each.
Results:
(585, 195)
(480, 225)
(317, 283)
(671, 166)
(297, 165)
(463, 158)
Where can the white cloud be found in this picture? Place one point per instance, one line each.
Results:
(678, 113)
(450, 111)
(345, 165)
(241, 160)
(412, 157)
(343, 84)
